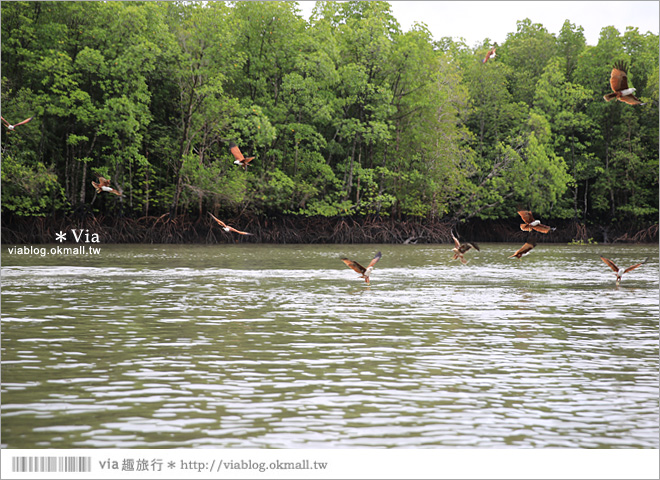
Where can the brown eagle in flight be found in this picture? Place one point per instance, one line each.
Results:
(523, 250)
(531, 224)
(227, 228)
(620, 271)
(103, 185)
(364, 272)
(491, 53)
(240, 159)
(619, 84)
(10, 126)
(460, 249)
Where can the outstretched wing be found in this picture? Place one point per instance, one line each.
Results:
(354, 265)
(456, 242)
(220, 222)
(635, 266)
(523, 250)
(5, 121)
(248, 160)
(374, 260)
(542, 228)
(235, 151)
(610, 264)
(632, 100)
(104, 182)
(23, 122)
(619, 77)
(526, 215)
(238, 231)
(474, 245)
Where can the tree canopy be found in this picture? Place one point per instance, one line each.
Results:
(346, 114)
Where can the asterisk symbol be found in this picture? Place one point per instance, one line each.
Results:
(60, 237)
(171, 465)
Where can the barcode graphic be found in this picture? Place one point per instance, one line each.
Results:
(51, 464)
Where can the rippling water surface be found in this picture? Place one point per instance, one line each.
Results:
(285, 347)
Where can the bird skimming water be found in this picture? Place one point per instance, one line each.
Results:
(460, 249)
(364, 272)
(523, 250)
(620, 271)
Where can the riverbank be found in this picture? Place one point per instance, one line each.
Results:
(306, 230)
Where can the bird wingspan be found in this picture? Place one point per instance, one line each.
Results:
(456, 242)
(23, 122)
(619, 77)
(526, 215)
(5, 121)
(523, 250)
(238, 231)
(102, 181)
(354, 265)
(528, 246)
(235, 151)
(635, 266)
(632, 100)
(610, 264)
(374, 260)
(542, 228)
(220, 222)
(467, 246)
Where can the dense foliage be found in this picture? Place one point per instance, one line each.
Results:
(346, 114)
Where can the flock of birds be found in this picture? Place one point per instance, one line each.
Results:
(620, 91)
(460, 248)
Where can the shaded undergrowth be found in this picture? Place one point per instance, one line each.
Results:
(308, 230)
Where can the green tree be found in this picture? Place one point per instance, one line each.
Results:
(527, 51)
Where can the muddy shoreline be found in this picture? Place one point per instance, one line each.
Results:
(306, 230)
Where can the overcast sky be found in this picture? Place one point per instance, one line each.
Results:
(475, 21)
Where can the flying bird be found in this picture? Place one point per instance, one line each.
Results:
(104, 186)
(491, 53)
(460, 249)
(364, 272)
(227, 228)
(620, 271)
(531, 224)
(619, 84)
(240, 159)
(523, 250)
(10, 126)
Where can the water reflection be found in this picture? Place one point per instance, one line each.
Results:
(282, 346)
